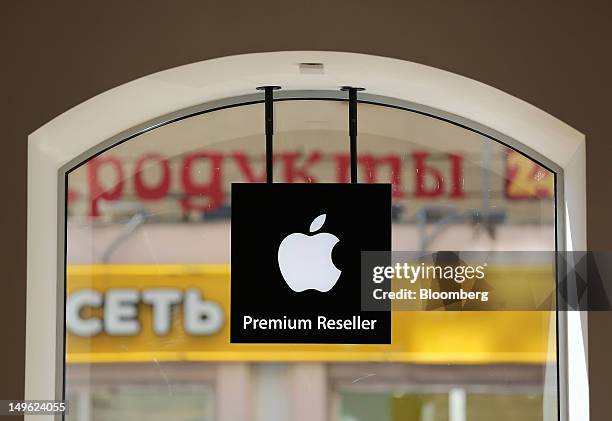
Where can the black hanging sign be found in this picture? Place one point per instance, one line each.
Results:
(296, 251)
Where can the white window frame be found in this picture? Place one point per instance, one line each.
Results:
(140, 103)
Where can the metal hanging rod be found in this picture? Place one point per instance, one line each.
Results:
(269, 128)
(352, 123)
(269, 122)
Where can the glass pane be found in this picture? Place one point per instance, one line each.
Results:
(152, 402)
(505, 406)
(394, 406)
(149, 224)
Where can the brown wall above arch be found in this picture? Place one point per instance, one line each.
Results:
(555, 55)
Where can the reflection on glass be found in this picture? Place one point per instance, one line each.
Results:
(148, 402)
(151, 216)
(394, 406)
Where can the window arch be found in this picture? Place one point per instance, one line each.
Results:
(117, 116)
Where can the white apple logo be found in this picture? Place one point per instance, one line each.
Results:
(305, 261)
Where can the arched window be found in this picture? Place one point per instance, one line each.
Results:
(141, 209)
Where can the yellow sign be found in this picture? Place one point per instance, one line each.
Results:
(525, 179)
(136, 313)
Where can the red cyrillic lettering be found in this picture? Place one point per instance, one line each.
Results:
(456, 176)
(72, 195)
(242, 160)
(343, 163)
(292, 172)
(371, 165)
(211, 189)
(97, 191)
(152, 192)
(421, 172)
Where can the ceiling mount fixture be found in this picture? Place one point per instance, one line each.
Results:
(311, 68)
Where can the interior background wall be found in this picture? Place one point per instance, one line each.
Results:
(555, 55)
